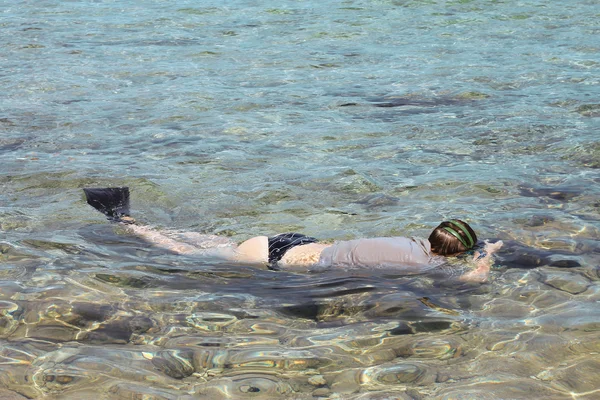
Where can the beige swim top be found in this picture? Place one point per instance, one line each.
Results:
(411, 254)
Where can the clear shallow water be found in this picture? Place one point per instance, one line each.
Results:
(338, 120)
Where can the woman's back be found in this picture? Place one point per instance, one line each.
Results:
(382, 252)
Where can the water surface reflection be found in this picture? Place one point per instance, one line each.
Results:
(117, 316)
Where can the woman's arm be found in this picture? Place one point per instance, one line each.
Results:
(483, 260)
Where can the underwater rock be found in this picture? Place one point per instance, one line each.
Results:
(252, 385)
(270, 358)
(586, 155)
(10, 395)
(209, 321)
(86, 314)
(355, 184)
(321, 392)
(58, 379)
(402, 329)
(565, 263)
(495, 387)
(539, 220)
(8, 322)
(579, 378)
(416, 101)
(565, 281)
(130, 390)
(346, 382)
(516, 255)
(317, 380)
(207, 358)
(115, 331)
(53, 332)
(174, 363)
(141, 324)
(589, 110)
(472, 96)
(392, 375)
(593, 274)
(430, 349)
(432, 325)
(377, 201)
(409, 395)
(556, 193)
(125, 281)
(49, 245)
(307, 311)
(388, 102)
(588, 344)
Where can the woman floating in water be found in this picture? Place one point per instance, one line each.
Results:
(289, 250)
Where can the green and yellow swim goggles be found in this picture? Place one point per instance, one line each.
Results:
(463, 228)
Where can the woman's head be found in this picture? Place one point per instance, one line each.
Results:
(452, 237)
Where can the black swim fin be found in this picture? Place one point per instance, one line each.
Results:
(112, 202)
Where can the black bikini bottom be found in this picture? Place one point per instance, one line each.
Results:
(279, 244)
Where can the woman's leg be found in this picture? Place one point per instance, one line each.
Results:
(114, 203)
(252, 251)
(199, 245)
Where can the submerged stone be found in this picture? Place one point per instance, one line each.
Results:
(589, 110)
(567, 282)
(539, 220)
(378, 201)
(580, 377)
(429, 349)
(175, 363)
(321, 392)
(516, 255)
(407, 373)
(565, 263)
(114, 331)
(317, 380)
(308, 311)
(346, 382)
(556, 193)
(10, 395)
(250, 385)
(472, 96)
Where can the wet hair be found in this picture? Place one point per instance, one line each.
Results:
(452, 237)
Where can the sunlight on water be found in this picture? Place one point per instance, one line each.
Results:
(338, 120)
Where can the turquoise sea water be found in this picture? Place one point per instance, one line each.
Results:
(337, 119)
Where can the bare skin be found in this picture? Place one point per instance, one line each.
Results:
(255, 250)
(482, 272)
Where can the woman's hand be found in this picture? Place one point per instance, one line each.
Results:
(491, 248)
(483, 261)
